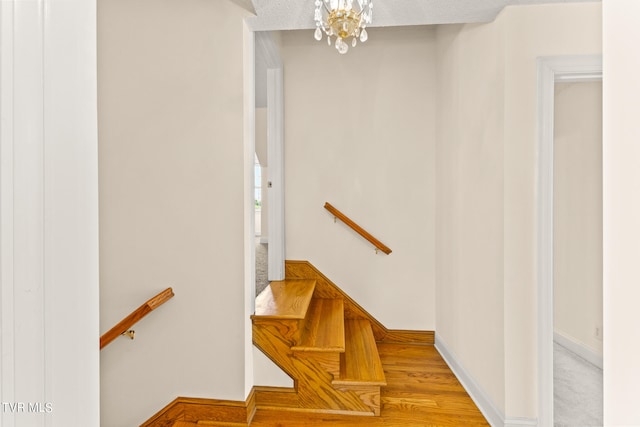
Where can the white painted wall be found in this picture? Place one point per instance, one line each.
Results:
(49, 214)
(172, 202)
(469, 248)
(532, 31)
(360, 134)
(621, 153)
(577, 223)
(466, 216)
(267, 373)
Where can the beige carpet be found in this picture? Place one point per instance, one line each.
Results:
(261, 266)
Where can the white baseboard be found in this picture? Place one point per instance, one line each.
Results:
(578, 348)
(264, 240)
(520, 422)
(494, 416)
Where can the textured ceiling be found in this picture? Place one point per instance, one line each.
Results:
(298, 14)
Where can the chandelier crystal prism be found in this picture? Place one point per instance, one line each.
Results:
(344, 20)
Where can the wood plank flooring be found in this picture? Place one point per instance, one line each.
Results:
(421, 391)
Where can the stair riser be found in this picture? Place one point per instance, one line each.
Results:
(288, 330)
(330, 362)
(370, 395)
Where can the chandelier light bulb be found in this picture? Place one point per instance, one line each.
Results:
(345, 19)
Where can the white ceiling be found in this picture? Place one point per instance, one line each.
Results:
(298, 14)
(273, 15)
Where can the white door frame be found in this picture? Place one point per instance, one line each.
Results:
(550, 71)
(275, 190)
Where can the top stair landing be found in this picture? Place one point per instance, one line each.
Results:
(288, 299)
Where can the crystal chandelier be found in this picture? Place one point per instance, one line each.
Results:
(343, 19)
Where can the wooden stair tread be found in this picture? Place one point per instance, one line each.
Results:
(287, 299)
(324, 327)
(360, 363)
(184, 424)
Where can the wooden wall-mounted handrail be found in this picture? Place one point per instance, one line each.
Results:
(136, 315)
(342, 217)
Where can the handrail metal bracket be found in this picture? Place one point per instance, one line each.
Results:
(130, 333)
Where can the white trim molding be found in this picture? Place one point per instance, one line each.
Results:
(519, 422)
(571, 68)
(7, 315)
(494, 415)
(49, 214)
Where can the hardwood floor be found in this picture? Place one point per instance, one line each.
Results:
(421, 390)
(348, 368)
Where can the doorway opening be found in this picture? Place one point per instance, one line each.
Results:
(261, 227)
(577, 254)
(552, 70)
(269, 167)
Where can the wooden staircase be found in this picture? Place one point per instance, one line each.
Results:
(328, 344)
(332, 358)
